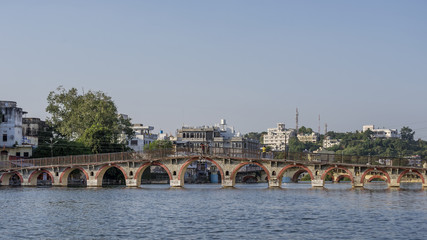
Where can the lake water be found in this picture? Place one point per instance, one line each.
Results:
(250, 211)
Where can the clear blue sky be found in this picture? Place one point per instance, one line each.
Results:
(169, 63)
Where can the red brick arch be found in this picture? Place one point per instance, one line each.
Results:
(236, 169)
(340, 177)
(362, 178)
(109, 166)
(377, 176)
(38, 172)
(413, 171)
(342, 168)
(70, 169)
(10, 174)
(189, 161)
(282, 172)
(143, 167)
(296, 175)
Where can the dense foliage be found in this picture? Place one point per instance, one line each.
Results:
(48, 146)
(256, 136)
(90, 119)
(158, 145)
(363, 143)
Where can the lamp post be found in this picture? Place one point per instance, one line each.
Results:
(51, 146)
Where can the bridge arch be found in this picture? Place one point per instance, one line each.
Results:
(5, 178)
(342, 168)
(140, 171)
(376, 177)
(410, 171)
(63, 179)
(387, 176)
(303, 169)
(341, 177)
(101, 172)
(189, 161)
(32, 179)
(236, 169)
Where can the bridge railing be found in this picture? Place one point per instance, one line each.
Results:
(349, 159)
(153, 155)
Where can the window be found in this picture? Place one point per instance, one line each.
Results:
(26, 154)
(4, 137)
(134, 142)
(18, 154)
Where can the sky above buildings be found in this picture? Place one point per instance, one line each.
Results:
(174, 63)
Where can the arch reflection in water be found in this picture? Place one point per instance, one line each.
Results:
(76, 179)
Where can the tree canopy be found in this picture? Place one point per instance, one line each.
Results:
(90, 118)
(256, 136)
(363, 143)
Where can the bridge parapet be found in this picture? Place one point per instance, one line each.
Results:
(215, 153)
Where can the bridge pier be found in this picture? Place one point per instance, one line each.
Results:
(317, 183)
(93, 183)
(227, 183)
(357, 185)
(131, 183)
(177, 183)
(393, 183)
(273, 183)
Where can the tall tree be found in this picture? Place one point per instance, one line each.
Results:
(90, 118)
(407, 134)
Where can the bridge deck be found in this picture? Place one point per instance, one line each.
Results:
(226, 153)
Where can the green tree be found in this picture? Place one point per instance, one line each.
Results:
(158, 145)
(304, 130)
(256, 136)
(89, 118)
(50, 145)
(295, 145)
(407, 134)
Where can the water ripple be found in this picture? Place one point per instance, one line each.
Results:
(210, 212)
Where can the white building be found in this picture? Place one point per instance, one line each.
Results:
(278, 138)
(218, 136)
(329, 142)
(313, 137)
(143, 136)
(382, 133)
(11, 137)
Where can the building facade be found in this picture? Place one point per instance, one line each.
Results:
(381, 132)
(11, 135)
(143, 136)
(217, 136)
(313, 137)
(329, 142)
(31, 129)
(278, 138)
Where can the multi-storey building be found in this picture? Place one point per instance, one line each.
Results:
(31, 129)
(218, 136)
(11, 140)
(143, 136)
(329, 142)
(313, 137)
(278, 138)
(381, 132)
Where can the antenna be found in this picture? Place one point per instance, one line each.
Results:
(326, 129)
(296, 118)
(318, 130)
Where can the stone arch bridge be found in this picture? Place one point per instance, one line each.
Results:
(356, 169)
